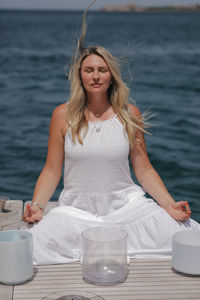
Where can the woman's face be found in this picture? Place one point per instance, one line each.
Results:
(95, 74)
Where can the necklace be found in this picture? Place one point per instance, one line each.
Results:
(100, 113)
(97, 115)
(98, 124)
(98, 128)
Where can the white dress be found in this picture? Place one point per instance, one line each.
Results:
(99, 190)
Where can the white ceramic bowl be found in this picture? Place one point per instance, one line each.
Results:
(16, 265)
(186, 252)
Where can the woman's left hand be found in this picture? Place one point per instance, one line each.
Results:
(179, 211)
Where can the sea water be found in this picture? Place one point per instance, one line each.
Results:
(159, 57)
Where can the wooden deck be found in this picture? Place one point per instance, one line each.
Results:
(148, 279)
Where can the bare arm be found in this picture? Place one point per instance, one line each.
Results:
(51, 173)
(151, 181)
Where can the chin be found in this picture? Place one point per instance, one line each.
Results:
(97, 90)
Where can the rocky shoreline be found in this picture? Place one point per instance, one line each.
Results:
(134, 8)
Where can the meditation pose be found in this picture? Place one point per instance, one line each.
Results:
(94, 134)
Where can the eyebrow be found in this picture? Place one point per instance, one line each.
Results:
(100, 67)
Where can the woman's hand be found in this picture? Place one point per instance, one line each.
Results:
(179, 211)
(32, 214)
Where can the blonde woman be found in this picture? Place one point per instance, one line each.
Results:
(95, 132)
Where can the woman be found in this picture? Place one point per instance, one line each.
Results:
(95, 133)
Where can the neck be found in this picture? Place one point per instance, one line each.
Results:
(98, 104)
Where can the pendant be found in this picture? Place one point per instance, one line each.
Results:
(97, 115)
(97, 129)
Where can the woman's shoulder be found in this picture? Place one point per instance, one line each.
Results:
(59, 117)
(135, 111)
(60, 110)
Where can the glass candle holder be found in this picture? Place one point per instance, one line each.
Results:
(104, 260)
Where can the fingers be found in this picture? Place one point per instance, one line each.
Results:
(25, 217)
(184, 210)
(182, 217)
(187, 208)
(26, 213)
(32, 214)
(182, 205)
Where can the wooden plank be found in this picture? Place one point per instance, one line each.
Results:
(11, 214)
(6, 292)
(54, 280)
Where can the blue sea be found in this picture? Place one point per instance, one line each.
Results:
(160, 61)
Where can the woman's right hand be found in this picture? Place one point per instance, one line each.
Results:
(32, 214)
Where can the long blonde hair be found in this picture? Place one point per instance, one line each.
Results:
(118, 94)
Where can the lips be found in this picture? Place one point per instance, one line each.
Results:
(96, 84)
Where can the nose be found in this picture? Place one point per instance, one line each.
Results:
(96, 75)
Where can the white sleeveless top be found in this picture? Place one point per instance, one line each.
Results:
(96, 174)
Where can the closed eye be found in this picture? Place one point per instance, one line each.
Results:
(88, 70)
(100, 69)
(103, 70)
